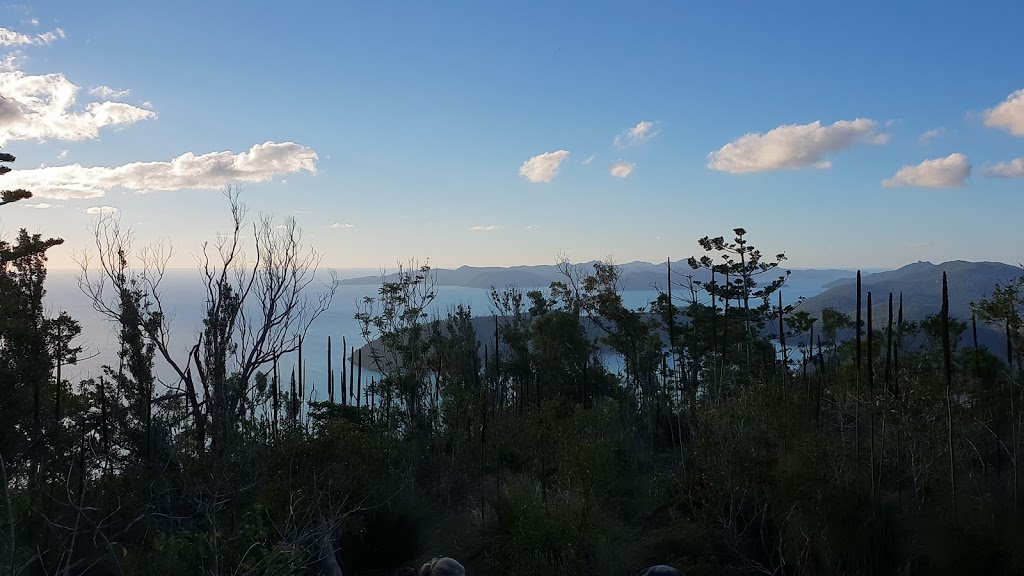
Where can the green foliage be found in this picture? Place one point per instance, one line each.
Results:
(521, 454)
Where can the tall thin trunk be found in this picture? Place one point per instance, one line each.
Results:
(871, 395)
(351, 372)
(947, 364)
(330, 376)
(808, 354)
(302, 383)
(856, 395)
(785, 368)
(359, 381)
(1013, 416)
(344, 371)
(897, 348)
(275, 391)
(897, 471)
(104, 422)
(295, 398)
(888, 350)
(820, 375)
(60, 356)
(782, 341)
(725, 319)
(497, 370)
(714, 334)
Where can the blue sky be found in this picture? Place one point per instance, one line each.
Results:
(867, 134)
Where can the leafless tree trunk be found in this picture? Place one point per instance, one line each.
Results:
(257, 308)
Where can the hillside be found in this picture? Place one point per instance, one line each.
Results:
(635, 276)
(921, 285)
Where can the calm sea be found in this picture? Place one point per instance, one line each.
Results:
(183, 295)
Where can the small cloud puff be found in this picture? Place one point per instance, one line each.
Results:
(949, 172)
(621, 169)
(484, 228)
(1008, 115)
(932, 135)
(642, 132)
(108, 92)
(340, 225)
(1012, 169)
(101, 210)
(543, 167)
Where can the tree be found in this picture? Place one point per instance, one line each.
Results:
(26, 335)
(257, 310)
(396, 319)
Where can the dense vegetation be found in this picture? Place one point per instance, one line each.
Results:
(734, 435)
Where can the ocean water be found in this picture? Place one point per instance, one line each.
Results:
(183, 295)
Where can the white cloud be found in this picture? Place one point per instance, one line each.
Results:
(532, 227)
(207, 172)
(101, 210)
(932, 135)
(543, 167)
(589, 159)
(793, 146)
(41, 108)
(949, 172)
(621, 169)
(1012, 169)
(38, 206)
(108, 92)
(11, 38)
(484, 228)
(340, 225)
(642, 132)
(34, 21)
(1008, 115)
(63, 154)
(10, 61)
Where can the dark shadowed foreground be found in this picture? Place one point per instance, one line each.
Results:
(740, 436)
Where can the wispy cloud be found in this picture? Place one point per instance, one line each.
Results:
(589, 159)
(484, 228)
(1012, 169)
(11, 38)
(63, 154)
(531, 227)
(949, 172)
(933, 134)
(543, 167)
(343, 226)
(621, 169)
(793, 146)
(642, 132)
(41, 108)
(101, 210)
(1008, 115)
(38, 206)
(108, 92)
(206, 172)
